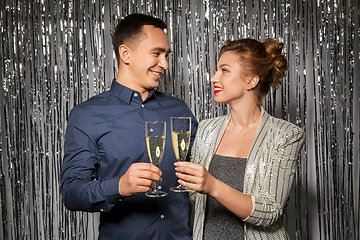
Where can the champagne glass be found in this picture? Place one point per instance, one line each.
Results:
(180, 135)
(155, 143)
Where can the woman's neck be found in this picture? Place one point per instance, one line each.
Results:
(244, 116)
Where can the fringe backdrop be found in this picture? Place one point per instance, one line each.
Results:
(58, 53)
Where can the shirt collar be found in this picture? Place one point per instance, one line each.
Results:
(127, 94)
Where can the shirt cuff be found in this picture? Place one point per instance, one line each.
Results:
(111, 190)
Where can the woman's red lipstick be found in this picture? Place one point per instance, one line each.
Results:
(217, 90)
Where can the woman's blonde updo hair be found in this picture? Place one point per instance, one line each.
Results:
(264, 59)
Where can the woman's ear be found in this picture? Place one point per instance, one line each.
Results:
(253, 81)
(124, 54)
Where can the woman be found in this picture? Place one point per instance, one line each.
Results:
(243, 164)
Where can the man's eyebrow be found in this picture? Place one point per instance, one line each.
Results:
(161, 50)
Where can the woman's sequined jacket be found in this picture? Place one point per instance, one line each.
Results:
(269, 173)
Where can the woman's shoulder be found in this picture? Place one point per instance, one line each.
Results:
(284, 127)
(212, 123)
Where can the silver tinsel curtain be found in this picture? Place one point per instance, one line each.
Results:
(58, 53)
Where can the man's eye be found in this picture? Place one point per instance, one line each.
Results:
(156, 53)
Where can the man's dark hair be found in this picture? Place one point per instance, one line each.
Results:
(129, 29)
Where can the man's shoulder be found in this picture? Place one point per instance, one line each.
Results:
(164, 97)
(99, 99)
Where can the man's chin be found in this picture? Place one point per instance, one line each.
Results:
(154, 84)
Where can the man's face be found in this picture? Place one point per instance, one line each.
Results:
(148, 59)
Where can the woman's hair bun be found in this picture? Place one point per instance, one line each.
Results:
(280, 65)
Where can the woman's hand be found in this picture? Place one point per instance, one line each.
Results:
(195, 177)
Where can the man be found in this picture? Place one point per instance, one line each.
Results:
(106, 166)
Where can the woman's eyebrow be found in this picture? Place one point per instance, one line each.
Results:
(223, 65)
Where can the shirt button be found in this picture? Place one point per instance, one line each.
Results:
(142, 105)
(101, 210)
(162, 216)
(135, 94)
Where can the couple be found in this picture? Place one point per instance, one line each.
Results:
(242, 165)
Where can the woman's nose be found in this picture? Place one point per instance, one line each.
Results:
(214, 78)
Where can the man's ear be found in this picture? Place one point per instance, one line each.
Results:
(124, 53)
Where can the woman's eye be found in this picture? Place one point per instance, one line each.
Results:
(224, 70)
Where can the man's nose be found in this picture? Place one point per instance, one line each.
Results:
(163, 62)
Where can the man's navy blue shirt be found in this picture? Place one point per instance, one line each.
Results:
(104, 136)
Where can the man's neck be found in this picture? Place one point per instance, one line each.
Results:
(127, 82)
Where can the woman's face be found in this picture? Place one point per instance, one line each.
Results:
(229, 80)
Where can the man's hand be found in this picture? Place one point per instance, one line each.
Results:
(139, 178)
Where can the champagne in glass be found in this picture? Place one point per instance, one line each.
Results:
(155, 143)
(180, 135)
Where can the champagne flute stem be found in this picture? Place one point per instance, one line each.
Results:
(156, 187)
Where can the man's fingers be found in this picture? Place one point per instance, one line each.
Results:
(139, 178)
(146, 167)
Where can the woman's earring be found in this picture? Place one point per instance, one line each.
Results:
(248, 88)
